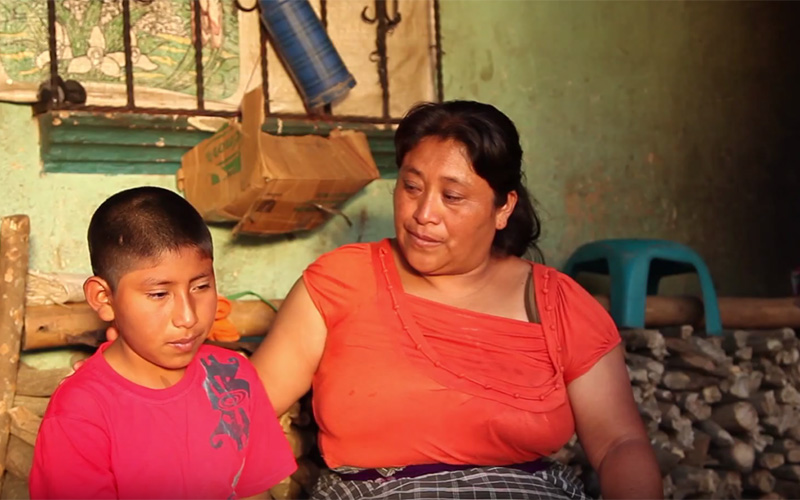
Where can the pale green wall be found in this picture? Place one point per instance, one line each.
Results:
(655, 119)
(625, 110)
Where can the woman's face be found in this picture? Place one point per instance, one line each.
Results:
(444, 213)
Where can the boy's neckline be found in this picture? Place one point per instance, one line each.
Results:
(178, 388)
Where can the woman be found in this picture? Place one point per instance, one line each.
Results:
(444, 365)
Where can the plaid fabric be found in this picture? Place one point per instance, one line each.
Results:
(557, 482)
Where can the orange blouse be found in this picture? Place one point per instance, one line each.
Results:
(404, 380)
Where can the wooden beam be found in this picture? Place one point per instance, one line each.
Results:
(735, 312)
(14, 242)
(70, 324)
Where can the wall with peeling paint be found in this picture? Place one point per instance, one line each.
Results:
(655, 119)
(60, 206)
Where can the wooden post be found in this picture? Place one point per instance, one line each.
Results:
(14, 239)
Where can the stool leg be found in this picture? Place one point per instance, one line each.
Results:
(710, 304)
(653, 279)
(629, 278)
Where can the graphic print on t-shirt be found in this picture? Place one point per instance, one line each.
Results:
(228, 395)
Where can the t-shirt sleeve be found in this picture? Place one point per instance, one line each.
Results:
(587, 331)
(269, 457)
(338, 281)
(72, 456)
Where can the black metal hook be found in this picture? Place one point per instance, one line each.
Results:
(382, 13)
(239, 6)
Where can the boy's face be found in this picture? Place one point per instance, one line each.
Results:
(163, 310)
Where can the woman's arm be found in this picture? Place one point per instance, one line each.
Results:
(288, 357)
(611, 431)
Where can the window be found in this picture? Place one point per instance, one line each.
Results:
(159, 74)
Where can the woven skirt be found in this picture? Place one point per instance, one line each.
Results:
(556, 482)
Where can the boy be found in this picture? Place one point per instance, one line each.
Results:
(156, 413)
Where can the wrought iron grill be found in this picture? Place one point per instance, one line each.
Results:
(382, 20)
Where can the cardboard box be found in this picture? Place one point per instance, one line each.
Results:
(271, 184)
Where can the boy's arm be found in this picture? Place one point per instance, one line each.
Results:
(71, 460)
(269, 457)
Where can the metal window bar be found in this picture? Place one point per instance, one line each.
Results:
(383, 24)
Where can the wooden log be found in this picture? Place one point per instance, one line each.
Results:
(40, 383)
(740, 456)
(667, 454)
(15, 488)
(678, 332)
(790, 472)
(743, 353)
(745, 384)
(649, 409)
(711, 394)
(14, 242)
(719, 436)
(794, 433)
(695, 408)
(788, 395)
(692, 361)
(694, 480)
(37, 405)
(664, 395)
(792, 456)
(697, 455)
(712, 348)
(71, 324)
(669, 487)
(736, 417)
(683, 381)
(637, 376)
(779, 424)
(565, 455)
(770, 460)
(735, 312)
(286, 489)
(787, 489)
(671, 419)
(762, 341)
(24, 424)
(652, 368)
(758, 313)
(645, 340)
(787, 357)
(666, 311)
(783, 445)
(758, 439)
(774, 376)
(730, 486)
(761, 481)
(19, 457)
(765, 404)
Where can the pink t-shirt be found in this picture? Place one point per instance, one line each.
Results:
(214, 434)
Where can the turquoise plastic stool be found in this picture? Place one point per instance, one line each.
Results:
(635, 267)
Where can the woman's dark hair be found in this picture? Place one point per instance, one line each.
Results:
(492, 142)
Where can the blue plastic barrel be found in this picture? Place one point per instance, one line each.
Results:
(311, 59)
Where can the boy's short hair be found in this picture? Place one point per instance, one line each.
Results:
(143, 223)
